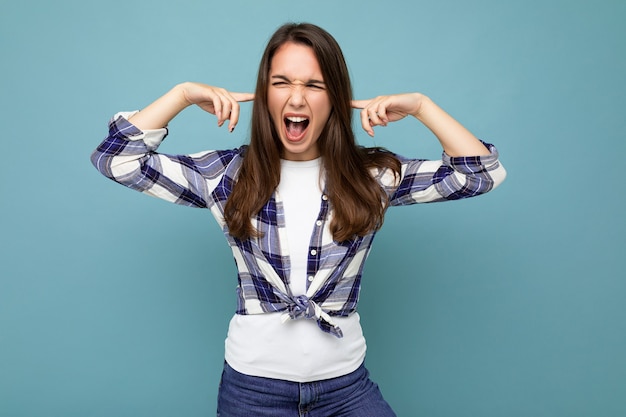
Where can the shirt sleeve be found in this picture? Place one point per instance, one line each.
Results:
(451, 178)
(128, 156)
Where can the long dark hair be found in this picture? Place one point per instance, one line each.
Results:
(357, 200)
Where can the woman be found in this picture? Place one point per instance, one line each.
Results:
(299, 206)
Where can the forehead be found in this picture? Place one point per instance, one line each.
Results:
(296, 62)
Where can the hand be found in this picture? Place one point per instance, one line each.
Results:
(218, 101)
(381, 110)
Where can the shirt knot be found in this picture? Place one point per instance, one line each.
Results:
(302, 307)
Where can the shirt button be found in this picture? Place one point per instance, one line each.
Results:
(319, 222)
(313, 252)
(310, 278)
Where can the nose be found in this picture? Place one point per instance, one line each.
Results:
(296, 98)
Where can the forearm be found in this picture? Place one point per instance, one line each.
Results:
(455, 139)
(160, 112)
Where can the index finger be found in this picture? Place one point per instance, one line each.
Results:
(241, 97)
(360, 104)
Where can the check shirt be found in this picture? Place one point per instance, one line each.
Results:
(205, 180)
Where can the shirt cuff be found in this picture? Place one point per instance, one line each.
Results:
(473, 164)
(151, 137)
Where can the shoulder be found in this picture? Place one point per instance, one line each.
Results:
(383, 165)
(225, 156)
(215, 162)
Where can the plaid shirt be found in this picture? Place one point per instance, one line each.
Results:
(205, 180)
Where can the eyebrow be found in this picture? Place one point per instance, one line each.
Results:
(312, 81)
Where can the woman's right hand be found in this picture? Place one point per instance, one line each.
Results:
(218, 101)
(215, 100)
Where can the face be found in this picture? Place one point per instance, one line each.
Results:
(297, 100)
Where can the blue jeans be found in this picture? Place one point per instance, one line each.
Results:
(352, 395)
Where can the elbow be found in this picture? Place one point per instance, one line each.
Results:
(98, 161)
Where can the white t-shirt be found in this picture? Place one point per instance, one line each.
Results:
(297, 350)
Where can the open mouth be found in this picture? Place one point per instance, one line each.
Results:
(295, 126)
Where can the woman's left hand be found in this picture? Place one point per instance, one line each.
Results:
(382, 110)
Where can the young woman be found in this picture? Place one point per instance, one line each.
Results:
(299, 206)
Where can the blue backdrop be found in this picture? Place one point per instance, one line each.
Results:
(510, 304)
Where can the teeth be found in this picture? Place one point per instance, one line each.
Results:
(294, 119)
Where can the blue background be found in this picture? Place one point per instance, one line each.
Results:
(510, 304)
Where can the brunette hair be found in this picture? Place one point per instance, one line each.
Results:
(357, 200)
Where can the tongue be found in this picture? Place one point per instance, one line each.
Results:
(296, 128)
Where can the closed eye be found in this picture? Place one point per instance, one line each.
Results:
(282, 81)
